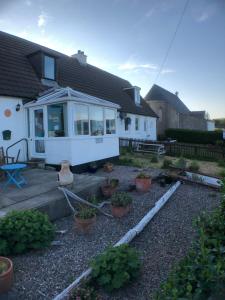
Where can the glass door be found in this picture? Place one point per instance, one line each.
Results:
(38, 132)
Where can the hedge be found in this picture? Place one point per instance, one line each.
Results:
(194, 136)
(201, 274)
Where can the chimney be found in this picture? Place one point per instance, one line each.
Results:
(176, 93)
(81, 57)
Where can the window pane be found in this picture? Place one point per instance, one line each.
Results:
(96, 120)
(81, 122)
(57, 120)
(136, 123)
(110, 120)
(49, 67)
(145, 124)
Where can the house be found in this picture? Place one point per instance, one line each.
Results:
(64, 107)
(173, 113)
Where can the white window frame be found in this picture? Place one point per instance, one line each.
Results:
(115, 116)
(89, 128)
(137, 118)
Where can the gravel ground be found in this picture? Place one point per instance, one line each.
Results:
(167, 239)
(43, 274)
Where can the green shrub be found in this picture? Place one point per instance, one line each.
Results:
(86, 213)
(116, 267)
(143, 176)
(194, 166)
(21, 231)
(155, 159)
(84, 293)
(181, 163)
(222, 174)
(195, 136)
(121, 199)
(124, 161)
(3, 267)
(167, 163)
(201, 274)
(221, 163)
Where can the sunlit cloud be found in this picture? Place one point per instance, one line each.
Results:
(167, 71)
(130, 66)
(42, 20)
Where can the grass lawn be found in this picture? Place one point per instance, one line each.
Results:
(144, 160)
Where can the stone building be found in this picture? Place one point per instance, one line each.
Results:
(173, 113)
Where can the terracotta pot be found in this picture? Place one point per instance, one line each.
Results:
(108, 167)
(85, 225)
(108, 190)
(6, 278)
(143, 184)
(120, 211)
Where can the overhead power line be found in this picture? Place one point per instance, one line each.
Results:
(172, 40)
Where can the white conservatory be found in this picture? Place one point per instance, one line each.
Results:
(65, 124)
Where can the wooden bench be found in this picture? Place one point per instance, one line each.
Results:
(156, 149)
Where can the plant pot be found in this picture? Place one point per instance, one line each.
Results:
(108, 167)
(120, 211)
(143, 184)
(108, 190)
(6, 135)
(85, 225)
(6, 278)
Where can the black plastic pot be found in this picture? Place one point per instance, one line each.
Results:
(6, 134)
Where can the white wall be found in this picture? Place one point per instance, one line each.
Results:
(16, 123)
(80, 150)
(150, 134)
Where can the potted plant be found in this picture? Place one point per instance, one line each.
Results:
(143, 182)
(109, 187)
(120, 204)
(108, 167)
(6, 134)
(85, 219)
(93, 167)
(6, 274)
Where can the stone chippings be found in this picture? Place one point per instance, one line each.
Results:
(44, 274)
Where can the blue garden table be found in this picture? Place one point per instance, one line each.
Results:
(13, 174)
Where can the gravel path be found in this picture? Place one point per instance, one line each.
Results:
(167, 239)
(43, 274)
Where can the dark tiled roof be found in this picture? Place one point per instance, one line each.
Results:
(19, 79)
(158, 93)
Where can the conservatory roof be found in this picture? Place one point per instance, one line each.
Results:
(67, 94)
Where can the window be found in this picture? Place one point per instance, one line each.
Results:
(57, 120)
(96, 120)
(110, 121)
(81, 122)
(145, 124)
(136, 123)
(49, 67)
(127, 123)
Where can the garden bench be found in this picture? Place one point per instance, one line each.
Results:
(157, 149)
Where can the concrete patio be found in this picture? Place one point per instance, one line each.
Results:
(41, 193)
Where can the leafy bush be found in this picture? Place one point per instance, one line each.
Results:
(86, 213)
(201, 274)
(143, 176)
(116, 267)
(21, 231)
(221, 163)
(155, 159)
(125, 161)
(84, 293)
(121, 199)
(3, 267)
(181, 163)
(167, 163)
(195, 136)
(194, 166)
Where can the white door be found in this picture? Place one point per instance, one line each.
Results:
(38, 132)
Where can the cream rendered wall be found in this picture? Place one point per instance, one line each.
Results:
(149, 134)
(16, 123)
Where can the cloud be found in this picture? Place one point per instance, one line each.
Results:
(42, 20)
(208, 12)
(167, 71)
(23, 34)
(131, 66)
